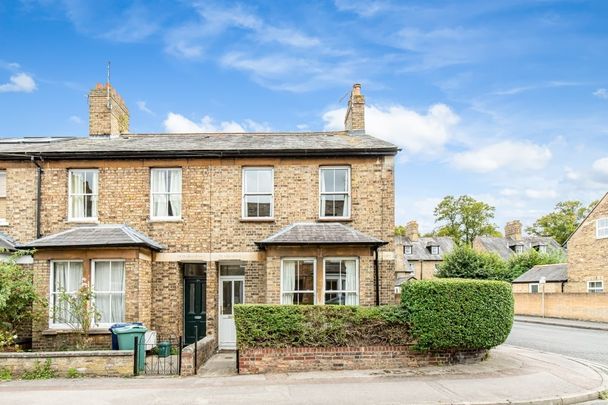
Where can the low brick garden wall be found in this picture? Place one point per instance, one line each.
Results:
(99, 363)
(293, 359)
(205, 348)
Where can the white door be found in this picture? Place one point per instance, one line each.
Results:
(231, 293)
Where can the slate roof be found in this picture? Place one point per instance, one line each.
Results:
(404, 279)
(552, 273)
(199, 145)
(6, 242)
(421, 250)
(331, 233)
(502, 246)
(114, 235)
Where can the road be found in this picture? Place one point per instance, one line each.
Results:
(586, 344)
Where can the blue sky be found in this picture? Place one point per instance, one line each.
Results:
(504, 100)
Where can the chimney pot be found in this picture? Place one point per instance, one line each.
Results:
(108, 114)
(355, 112)
(411, 231)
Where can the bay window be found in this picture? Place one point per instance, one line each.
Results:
(334, 192)
(108, 285)
(341, 281)
(66, 277)
(82, 194)
(166, 194)
(258, 190)
(298, 281)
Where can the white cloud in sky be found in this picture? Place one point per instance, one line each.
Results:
(417, 133)
(600, 166)
(74, 119)
(601, 93)
(177, 123)
(541, 193)
(19, 83)
(142, 105)
(514, 155)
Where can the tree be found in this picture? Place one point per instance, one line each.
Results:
(520, 263)
(464, 262)
(17, 296)
(400, 230)
(463, 218)
(559, 224)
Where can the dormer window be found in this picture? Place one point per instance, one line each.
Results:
(434, 250)
(407, 249)
(541, 248)
(518, 248)
(601, 228)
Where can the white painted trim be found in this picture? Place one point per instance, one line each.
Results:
(124, 287)
(95, 196)
(219, 304)
(356, 259)
(51, 283)
(243, 194)
(348, 192)
(209, 257)
(181, 179)
(597, 228)
(530, 288)
(314, 277)
(595, 281)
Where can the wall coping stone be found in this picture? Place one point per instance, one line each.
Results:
(44, 355)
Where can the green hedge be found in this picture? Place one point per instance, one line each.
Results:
(451, 314)
(319, 326)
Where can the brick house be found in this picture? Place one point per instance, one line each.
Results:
(514, 242)
(174, 229)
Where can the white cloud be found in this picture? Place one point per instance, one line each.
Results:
(74, 119)
(571, 174)
(509, 192)
(600, 166)
(19, 83)
(417, 133)
(541, 193)
(515, 155)
(601, 93)
(177, 123)
(143, 107)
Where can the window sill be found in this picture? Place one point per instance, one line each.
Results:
(3, 223)
(83, 221)
(335, 219)
(161, 220)
(62, 331)
(257, 219)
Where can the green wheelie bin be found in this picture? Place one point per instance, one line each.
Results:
(126, 341)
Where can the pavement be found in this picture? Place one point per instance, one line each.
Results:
(510, 375)
(562, 322)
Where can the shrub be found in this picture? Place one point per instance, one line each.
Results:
(456, 314)
(73, 373)
(319, 325)
(464, 262)
(5, 374)
(41, 371)
(520, 263)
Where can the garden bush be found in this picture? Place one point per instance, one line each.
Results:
(319, 326)
(456, 314)
(520, 263)
(464, 262)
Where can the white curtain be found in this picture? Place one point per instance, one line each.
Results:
(175, 188)
(159, 186)
(77, 188)
(68, 278)
(109, 291)
(289, 280)
(351, 282)
(118, 297)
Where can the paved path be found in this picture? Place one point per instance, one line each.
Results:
(510, 375)
(586, 344)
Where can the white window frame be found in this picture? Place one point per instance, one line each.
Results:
(94, 195)
(518, 249)
(601, 225)
(434, 248)
(408, 250)
(152, 193)
(52, 292)
(245, 194)
(314, 278)
(537, 285)
(123, 292)
(341, 258)
(411, 267)
(347, 205)
(542, 248)
(595, 290)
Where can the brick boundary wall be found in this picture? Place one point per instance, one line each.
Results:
(205, 349)
(294, 359)
(582, 306)
(99, 363)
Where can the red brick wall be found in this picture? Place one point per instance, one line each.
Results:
(281, 360)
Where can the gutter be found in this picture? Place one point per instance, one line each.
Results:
(377, 275)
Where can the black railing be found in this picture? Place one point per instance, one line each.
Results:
(162, 356)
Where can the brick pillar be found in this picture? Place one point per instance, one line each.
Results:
(355, 113)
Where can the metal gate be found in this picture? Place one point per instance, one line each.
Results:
(161, 356)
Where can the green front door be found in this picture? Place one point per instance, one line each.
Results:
(195, 314)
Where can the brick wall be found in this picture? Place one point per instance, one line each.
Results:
(525, 287)
(20, 202)
(583, 306)
(284, 360)
(205, 348)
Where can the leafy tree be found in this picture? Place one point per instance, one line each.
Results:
(560, 223)
(400, 230)
(520, 263)
(464, 218)
(17, 296)
(464, 262)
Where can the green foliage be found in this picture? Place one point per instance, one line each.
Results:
(77, 311)
(520, 263)
(41, 371)
(451, 314)
(17, 296)
(464, 262)
(400, 230)
(319, 325)
(5, 374)
(463, 218)
(560, 223)
(73, 373)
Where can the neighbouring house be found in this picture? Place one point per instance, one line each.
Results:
(514, 242)
(420, 255)
(554, 276)
(173, 230)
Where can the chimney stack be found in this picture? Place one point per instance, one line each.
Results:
(355, 113)
(513, 230)
(411, 231)
(108, 114)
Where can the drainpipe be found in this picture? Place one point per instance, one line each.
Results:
(39, 172)
(377, 275)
